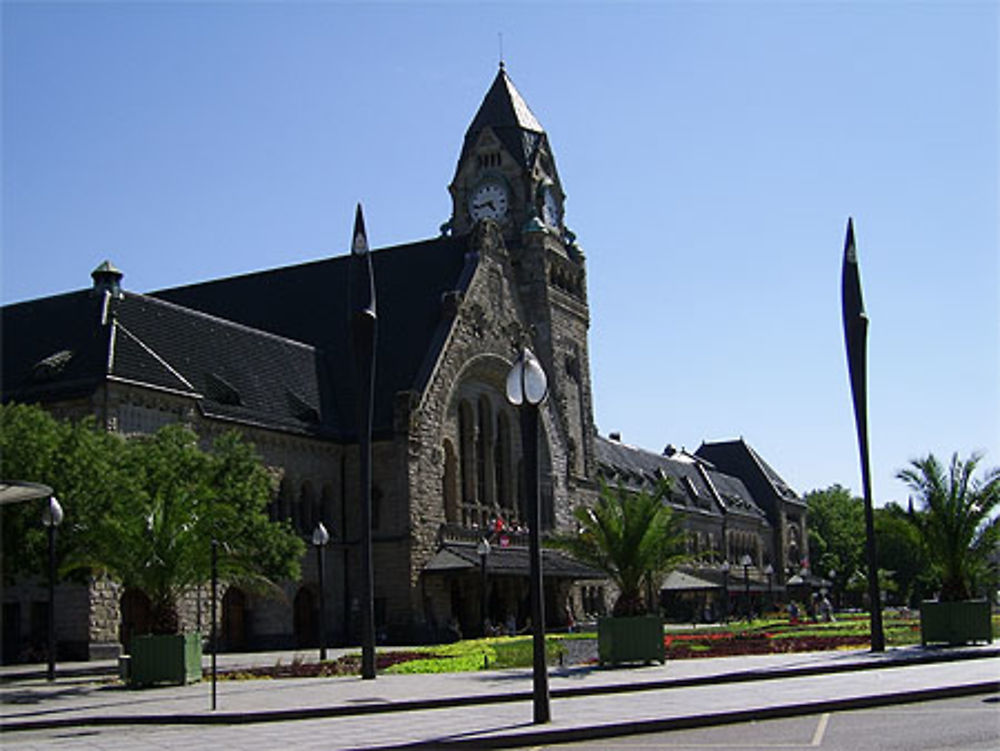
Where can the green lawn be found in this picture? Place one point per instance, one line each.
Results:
(760, 636)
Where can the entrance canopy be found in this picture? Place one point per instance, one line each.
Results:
(454, 557)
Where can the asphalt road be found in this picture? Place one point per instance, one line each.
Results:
(966, 724)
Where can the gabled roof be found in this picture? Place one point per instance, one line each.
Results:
(309, 303)
(696, 484)
(737, 457)
(508, 115)
(59, 347)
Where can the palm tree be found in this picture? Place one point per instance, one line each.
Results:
(633, 537)
(957, 523)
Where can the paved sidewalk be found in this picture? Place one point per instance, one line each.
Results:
(440, 710)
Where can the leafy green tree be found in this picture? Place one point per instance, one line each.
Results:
(633, 537)
(957, 522)
(80, 462)
(146, 509)
(836, 532)
(901, 551)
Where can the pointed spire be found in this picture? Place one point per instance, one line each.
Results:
(359, 242)
(504, 111)
(503, 106)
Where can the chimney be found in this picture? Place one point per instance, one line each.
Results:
(669, 450)
(107, 279)
(616, 437)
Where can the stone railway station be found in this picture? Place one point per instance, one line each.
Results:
(268, 353)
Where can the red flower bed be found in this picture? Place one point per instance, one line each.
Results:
(681, 646)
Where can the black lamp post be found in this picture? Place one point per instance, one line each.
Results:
(215, 630)
(52, 516)
(769, 572)
(527, 387)
(746, 561)
(833, 587)
(483, 548)
(855, 338)
(364, 325)
(320, 538)
(725, 590)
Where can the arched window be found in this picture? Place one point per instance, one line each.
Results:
(484, 441)
(449, 489)
(328, 513)
(466, 447)
(501, 463)
(306, 509)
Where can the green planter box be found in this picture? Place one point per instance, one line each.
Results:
(165, 658)
(633, 639)
(955, 622)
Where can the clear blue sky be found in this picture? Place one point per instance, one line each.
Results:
(711, 154)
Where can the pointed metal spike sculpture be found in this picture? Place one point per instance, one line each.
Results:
(855, 337)
(364, 324)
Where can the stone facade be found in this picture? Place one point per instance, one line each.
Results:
(447, 471)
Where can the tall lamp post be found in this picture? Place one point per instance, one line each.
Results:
(483, 549)
(833, 587)
(364, 326)
(855, 337)
(725, 590)
(746, 561)
(320, 538)
(52, 516)
(527, 388)
(769, 572)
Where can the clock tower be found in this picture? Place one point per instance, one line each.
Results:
(507, 173)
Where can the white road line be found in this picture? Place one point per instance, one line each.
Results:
(824, 720)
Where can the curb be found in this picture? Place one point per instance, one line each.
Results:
(596, 732)
(412, 705)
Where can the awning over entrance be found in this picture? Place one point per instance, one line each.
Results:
(679, 581)
(711, 579)
(454, 557)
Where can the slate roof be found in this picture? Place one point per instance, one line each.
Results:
(63, 346)
(54, 347)
(309, 303)
(505, 111)
(738, 458)
(697, 485)
(513, 561)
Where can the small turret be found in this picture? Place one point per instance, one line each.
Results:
(107, 279)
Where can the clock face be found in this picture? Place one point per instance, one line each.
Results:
(488, 201)
(550, 208)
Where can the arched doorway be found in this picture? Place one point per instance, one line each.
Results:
(135, 616)
(234, 620)
(305, 619)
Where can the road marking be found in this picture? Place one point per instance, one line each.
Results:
(824, 720)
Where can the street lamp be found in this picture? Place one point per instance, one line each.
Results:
(746, 561)
(52, 516)
(364, 328)
(527, 387)
(725, 568)
(483, 549)
(769, 572)
(833, 586)
(807, 581)
(320, 538)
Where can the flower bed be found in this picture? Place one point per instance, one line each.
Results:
(726, 644)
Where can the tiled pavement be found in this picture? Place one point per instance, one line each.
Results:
(486, 708)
